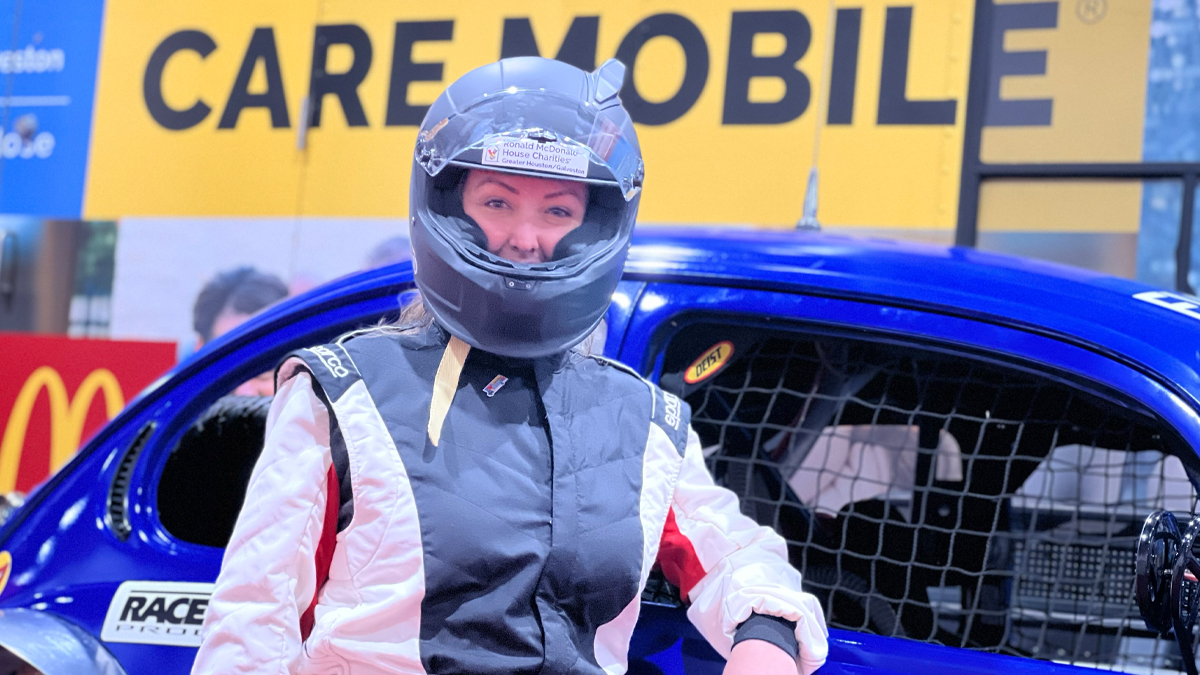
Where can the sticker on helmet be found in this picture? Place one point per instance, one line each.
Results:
(709, 362)
(5, 569)
(526, 153)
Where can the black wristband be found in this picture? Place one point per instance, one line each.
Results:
(778, 631)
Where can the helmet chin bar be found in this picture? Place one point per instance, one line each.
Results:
(1168, 580)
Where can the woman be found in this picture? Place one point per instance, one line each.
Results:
(472, 494)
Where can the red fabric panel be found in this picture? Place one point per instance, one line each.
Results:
(324, 554)
(677, 557)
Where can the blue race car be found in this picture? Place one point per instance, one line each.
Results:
(961, 449)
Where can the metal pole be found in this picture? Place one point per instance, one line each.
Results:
(1183, 252)
(967, 231)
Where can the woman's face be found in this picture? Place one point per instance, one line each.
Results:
(523, 217)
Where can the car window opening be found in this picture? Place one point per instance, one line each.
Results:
(940, 497)
(204, 481)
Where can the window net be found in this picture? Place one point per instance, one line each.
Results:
(941, 497)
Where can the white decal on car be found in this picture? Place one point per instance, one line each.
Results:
(157, 613)
(1172, 301)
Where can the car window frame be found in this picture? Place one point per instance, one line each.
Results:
(664, 308)
(255, 347)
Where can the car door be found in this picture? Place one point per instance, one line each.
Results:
(953, 491)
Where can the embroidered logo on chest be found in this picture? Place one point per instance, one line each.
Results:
(673, 410)
(494, 386)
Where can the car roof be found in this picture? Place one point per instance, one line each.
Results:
(1082, 307)
(1087, 308)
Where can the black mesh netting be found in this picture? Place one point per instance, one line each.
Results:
(942, 497)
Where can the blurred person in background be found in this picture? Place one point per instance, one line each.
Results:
(388, 252)
(226, 302)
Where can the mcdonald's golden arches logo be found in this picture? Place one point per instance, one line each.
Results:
(67, 417)
(5, 569)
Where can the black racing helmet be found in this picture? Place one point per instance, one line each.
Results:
(536, 117)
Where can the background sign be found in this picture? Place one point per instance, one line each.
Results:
(47, 78)
(199, 104)
(1067, 81)
(55, 392)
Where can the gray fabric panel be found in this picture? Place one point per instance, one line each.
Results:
(776, 630)
(673, 415)
(341, 466)
(333, 369)
(482, 499)
(599, 425)
(528, 506)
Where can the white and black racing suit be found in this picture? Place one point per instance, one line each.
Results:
(498, 517)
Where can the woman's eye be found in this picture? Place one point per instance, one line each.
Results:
(495, 203)
(560, 212)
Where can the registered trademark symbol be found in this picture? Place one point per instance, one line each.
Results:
(1091, 11)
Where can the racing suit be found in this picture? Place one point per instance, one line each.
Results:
(504, 520)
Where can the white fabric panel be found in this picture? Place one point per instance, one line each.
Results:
(369, 618)
(268, 574)
(746, 567)
(660, 470)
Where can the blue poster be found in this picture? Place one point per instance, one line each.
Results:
(48, 57)
(1172, 134)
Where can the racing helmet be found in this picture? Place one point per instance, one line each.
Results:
(536, 117)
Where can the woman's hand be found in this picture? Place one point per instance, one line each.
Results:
(759, 657)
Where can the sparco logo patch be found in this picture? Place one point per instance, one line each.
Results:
(157, 613)
(672, 411)
(330, 360)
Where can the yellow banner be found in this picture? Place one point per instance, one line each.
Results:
(1068, 84)
(199, 105)
(1068, 81)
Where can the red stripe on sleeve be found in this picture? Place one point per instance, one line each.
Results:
(677, 557)
(324, 554)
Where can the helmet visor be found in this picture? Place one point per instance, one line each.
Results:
(536, 132)
(604, 223)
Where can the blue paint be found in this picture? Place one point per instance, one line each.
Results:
(1054, 318)
(49, 101)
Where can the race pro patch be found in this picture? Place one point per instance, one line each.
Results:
(157, 613)
(525, 153)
